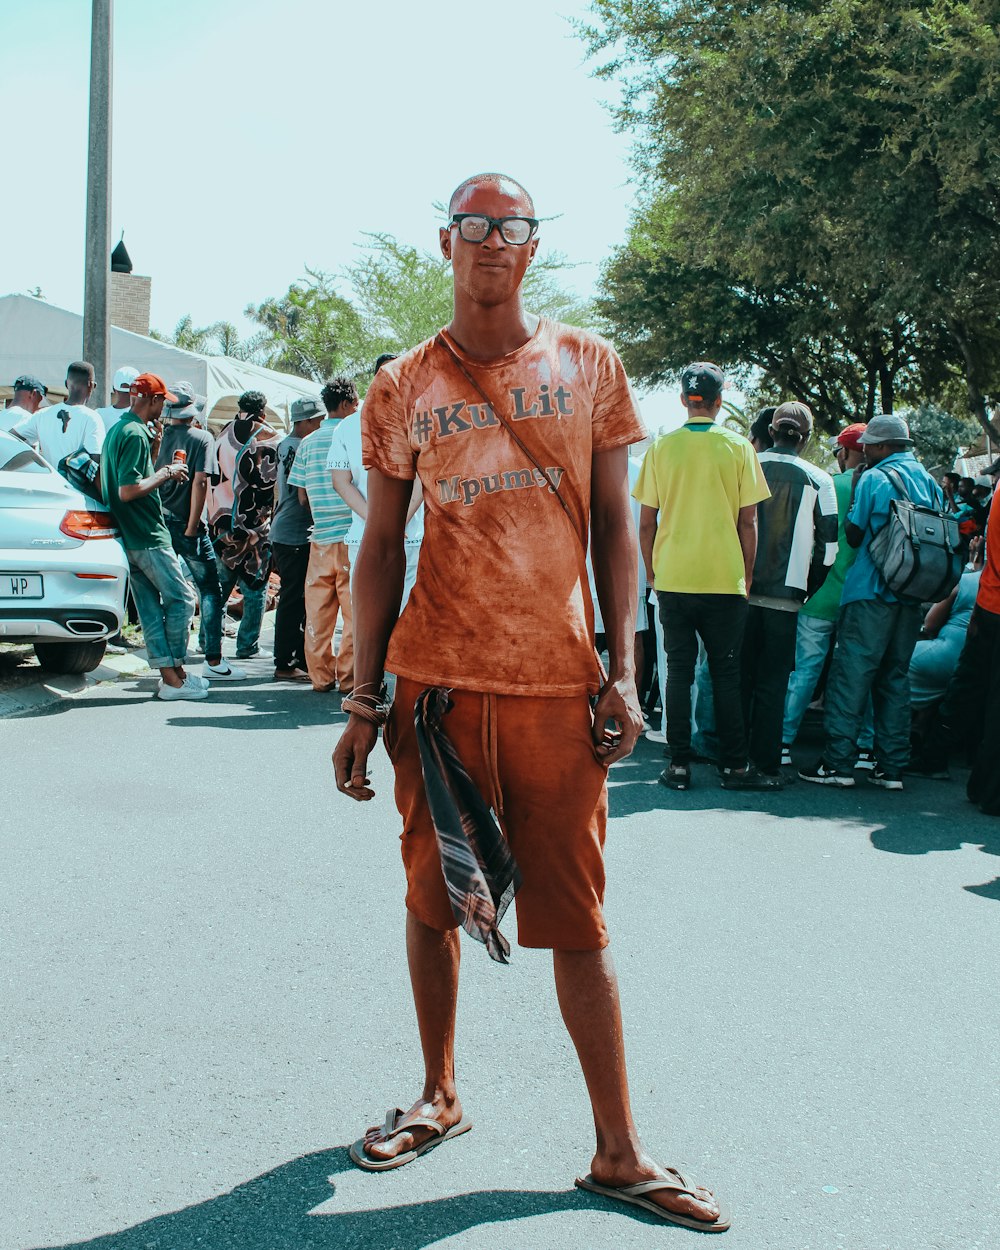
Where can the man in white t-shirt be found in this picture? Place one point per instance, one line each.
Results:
(26, 400)
(121, 399)
(350, 481)
(62, 429)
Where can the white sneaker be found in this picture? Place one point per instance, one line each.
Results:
(192, 689)
(223, 671)
(655, 735)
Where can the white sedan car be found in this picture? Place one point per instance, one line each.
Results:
(63, 572)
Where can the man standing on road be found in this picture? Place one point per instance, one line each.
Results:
(519, 430)
(183, 502)
(328, 577)
(818, 616)
(876, 633)
(699, 489)
(131, 488)
(25, 402)
(350, 481)
(62, 429)
(121, 397)
(290, 549)
(796, 545)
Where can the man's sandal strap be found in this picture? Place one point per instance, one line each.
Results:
(396, 1123)
(681, 1186)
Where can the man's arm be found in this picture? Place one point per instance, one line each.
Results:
(613, 544)
(304, 498)
(648, 521)
(199, 493)
(746, 528)
(376, 593)
(130, 491)
(343, 484)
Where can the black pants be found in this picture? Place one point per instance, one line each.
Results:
(767, 662)
(290, 617)
(720, 620)
(970, 712)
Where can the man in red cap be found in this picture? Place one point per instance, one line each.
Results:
(131, 488)
(818, 616)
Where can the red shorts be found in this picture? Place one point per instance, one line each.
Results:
(533, 762)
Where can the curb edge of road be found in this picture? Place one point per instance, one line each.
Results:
(55, 688)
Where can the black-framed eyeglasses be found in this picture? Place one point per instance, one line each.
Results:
(477, 227)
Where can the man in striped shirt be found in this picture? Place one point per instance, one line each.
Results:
(328, 584)
(796, 546)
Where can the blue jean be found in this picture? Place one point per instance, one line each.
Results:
(199, 556)
(248, 637)
(704, 739)
(875, 642)
(165, 602)
(813, 639)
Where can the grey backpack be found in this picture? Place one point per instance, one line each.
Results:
(917, 550)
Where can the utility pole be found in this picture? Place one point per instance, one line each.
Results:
(96, 285)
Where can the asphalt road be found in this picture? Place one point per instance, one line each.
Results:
(206, 1002)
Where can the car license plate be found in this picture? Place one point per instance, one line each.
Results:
(21, 586)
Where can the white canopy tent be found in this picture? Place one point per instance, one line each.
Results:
(38, 338)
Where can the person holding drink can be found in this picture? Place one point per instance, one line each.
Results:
(183, 508)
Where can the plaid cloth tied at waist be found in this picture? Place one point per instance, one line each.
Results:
(480, 873)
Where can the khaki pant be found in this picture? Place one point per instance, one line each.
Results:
(327, 592)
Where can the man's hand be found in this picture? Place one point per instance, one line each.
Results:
(350, 759)
(617, 721)
(175, 472)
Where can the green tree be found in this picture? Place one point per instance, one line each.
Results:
(846, 152)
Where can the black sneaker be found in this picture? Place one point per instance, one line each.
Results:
(929, 770)
(866, 761)
(886, 780)
(749, 778)
(821, 774)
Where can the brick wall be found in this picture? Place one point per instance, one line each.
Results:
(130, 302)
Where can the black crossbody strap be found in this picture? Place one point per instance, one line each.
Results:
(896, 478)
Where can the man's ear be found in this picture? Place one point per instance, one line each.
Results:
(533, 248)
(444, 238)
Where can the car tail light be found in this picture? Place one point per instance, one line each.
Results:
(97, 577)
(88, 525)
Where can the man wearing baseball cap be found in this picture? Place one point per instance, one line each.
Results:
(26, 400)
(62, 429)
(121, 397)
(876, 632)
(817, 619)
(699, 488)
(183, 501)
(796, 546)
(131, 488)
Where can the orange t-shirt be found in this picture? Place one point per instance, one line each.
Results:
(989, 581)
(501, 602)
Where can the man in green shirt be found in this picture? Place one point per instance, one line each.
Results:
(162, 595)
(818, 616)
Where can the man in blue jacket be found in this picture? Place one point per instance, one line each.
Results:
(876, 633)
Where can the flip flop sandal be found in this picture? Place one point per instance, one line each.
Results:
(676, 777)
(396, 1123)
(634, 1194)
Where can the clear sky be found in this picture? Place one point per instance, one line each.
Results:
(252, 139)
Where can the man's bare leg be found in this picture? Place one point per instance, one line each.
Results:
(433, 957)
(588, 999)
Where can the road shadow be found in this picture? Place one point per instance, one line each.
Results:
(272, 1212)
(928, 816)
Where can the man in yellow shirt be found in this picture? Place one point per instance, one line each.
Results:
(699, 488)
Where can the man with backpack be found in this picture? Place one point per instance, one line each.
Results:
(878, 626)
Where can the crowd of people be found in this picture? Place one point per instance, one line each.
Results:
(768, 602)
(770, 578)
(769, 567)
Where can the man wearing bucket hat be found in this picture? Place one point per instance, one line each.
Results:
(876, 632)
